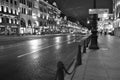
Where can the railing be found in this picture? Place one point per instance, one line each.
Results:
(61, 69)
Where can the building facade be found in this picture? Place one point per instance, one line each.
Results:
(116, 12)
(9, 17)
(31, 17)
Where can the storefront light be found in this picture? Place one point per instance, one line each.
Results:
(34, 16)
(105, 15)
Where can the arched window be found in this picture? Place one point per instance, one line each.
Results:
(11, 21)
(29, 23)
(22, 23)
(7, 20)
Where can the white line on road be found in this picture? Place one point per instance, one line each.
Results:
(40, 49)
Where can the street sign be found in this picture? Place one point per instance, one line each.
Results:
(98, 11)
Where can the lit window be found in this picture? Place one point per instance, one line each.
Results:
(0, 8)
(17, 22)
(0, 20)
(43, 16)
(13, 11)
(14, 21)
(26, 11)
(9, 20)
(5, 9)
(17, 12)
(9, 10)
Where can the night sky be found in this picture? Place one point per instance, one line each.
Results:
(79, 8)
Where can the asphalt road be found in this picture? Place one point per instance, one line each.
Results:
(36, 58)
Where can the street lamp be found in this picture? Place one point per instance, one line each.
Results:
(94, 36)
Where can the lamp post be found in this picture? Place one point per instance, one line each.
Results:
(94, 36)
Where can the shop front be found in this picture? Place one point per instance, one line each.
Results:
(2, 29)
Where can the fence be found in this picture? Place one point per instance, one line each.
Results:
(61, 69)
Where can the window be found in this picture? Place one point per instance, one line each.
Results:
(0, 8)
(11, 11)
(11, 1)
(24, 2)
(0, 20)
(3, 20)
(7, 9)
(11, 20)
(15, 2)
(4, 9)
(15, 21)
(15, 12)
(24, 11)
(7, 20)
(7, 0)
(20, 1)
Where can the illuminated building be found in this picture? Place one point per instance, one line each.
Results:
(37, 16)
(9, 17)
(116, 12)
(49, 17)
(26, 16)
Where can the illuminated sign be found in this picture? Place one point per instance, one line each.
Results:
(98, 11)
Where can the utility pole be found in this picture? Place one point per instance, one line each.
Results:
(94, 36)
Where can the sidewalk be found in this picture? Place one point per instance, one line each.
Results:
(102, 64)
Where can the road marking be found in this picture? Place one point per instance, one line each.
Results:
(34, 51)
(40, 49)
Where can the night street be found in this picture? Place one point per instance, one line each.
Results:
(59, 39)
(35, 59)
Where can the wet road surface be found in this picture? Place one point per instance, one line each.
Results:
(36, 59)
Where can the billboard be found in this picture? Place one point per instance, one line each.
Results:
(98, 11)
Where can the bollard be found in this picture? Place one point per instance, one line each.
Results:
(84, 47)
(79, 56)
(60, 71)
